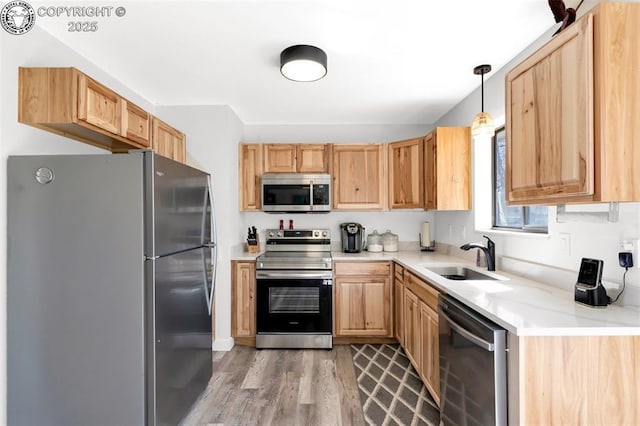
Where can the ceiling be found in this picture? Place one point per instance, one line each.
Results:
(400, 62)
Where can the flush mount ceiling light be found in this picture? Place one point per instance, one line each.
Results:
(483, 123)
(303, 63)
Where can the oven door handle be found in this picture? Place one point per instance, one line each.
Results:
(293, 275)
(487, 346)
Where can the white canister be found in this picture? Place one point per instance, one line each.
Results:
(374, 242)
(390, 241)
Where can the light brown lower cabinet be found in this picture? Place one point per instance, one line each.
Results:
(577, 380)
(362, 299)
(243, 302)
(398, 303)
(412, 327)
(421, 330)
(429, 356)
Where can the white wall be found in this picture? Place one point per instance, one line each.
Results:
(555, 258)
(213, 133)
(36, 48)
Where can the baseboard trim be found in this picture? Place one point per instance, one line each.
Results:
(222, 345)
(347, 340)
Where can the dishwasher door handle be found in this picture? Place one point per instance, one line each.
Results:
(488, 346)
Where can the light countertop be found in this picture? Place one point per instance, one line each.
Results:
(520, 305)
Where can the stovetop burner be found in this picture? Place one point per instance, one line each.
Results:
(296, 249)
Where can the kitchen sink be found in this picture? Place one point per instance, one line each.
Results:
(460, 273)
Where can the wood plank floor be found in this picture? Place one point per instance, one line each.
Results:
(280, 387)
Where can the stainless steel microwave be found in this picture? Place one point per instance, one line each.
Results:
(296, 193)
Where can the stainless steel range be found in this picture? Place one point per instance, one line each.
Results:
(294, 278)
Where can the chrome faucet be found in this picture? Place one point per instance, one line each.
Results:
(489, 252)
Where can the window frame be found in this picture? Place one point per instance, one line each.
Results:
(528, 229)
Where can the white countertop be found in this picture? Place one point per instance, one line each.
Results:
(520, 305)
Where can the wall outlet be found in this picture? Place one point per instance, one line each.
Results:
(565, 243)
(636, 250)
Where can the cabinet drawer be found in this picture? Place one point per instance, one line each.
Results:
(361, 268)
(423, 290)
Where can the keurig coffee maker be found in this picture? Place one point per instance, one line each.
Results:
(352, 237)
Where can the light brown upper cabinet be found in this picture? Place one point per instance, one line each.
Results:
(98, 105)
(359, 176)
(135, 124)
(72, 104)
(313, 158)
(406, 174)
(250, 170)
(279, 158)
(572, 113)
(300, 158)
(168, 141)
(447, 164)
(67, 102)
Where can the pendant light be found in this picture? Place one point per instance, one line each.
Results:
(483, 123)
(303, 63)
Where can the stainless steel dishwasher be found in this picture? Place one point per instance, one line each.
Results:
(473, 367)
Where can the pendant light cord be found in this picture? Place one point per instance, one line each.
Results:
(482, 92)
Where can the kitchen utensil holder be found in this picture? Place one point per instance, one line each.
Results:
(253, 246)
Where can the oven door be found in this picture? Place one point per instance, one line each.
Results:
(294, 302)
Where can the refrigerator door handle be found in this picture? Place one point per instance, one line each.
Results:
(211, 243)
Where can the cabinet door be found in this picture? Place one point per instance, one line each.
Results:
(313, 158)
(406, 174)
(167, 141)
(431, 175)
(279, 158)
(136, 124)
(549, 116)
(447, 160)
(98, 105)
(360, 177)
(180, 149)
(362, 306)
(412, 327)
(250, 171)
(398, 313)
(429, 359)
(243, 304)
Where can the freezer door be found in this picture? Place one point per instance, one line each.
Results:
(75, 296)
(177, 202)
(182, 358)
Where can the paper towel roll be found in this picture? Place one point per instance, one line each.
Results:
(425, 236)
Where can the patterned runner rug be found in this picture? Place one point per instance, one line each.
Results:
(390, 390)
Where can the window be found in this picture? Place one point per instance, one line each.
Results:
(523, 218)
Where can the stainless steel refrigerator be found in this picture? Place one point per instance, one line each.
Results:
(110, 277)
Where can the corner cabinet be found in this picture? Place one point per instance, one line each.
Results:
(571, 113)
(243, 302)
(362, 299)
(447, 165)
(406, 174)
(359, 176)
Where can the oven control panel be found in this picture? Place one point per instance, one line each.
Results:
(297, 234)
